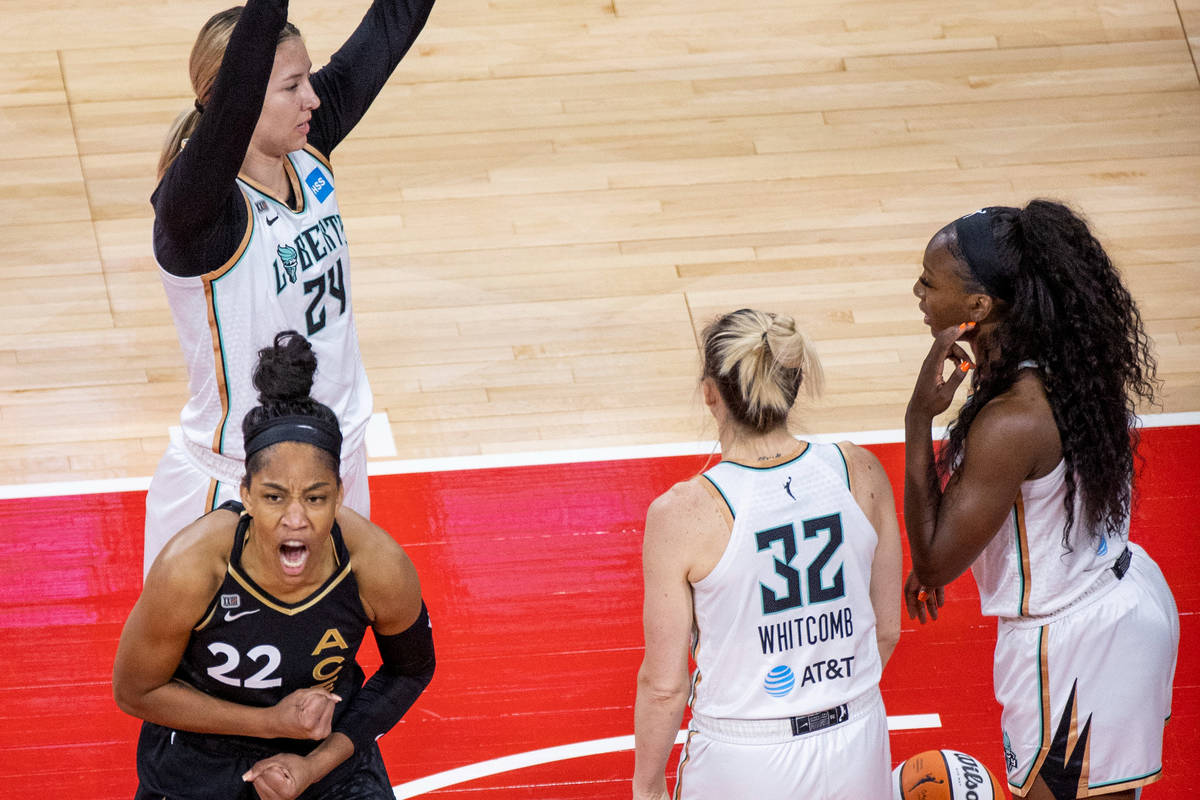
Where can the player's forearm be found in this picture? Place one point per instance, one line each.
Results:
(177, 705)
(657, 713)
(886, 641)
(921, 490)
(197, 187)
(336, 748)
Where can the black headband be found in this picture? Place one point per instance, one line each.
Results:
(981, 251)
(294, 428)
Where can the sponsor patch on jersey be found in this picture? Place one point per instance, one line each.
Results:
(231, 601)
(779, 681)
(320, 184)
(260, 205)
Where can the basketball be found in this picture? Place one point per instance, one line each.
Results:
(944, 775)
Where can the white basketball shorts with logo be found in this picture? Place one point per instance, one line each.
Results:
(778, 760)
(1086, 692)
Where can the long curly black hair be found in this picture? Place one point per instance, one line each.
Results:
(1069, 312)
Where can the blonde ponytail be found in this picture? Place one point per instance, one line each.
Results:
(180, 130)
(759, 362)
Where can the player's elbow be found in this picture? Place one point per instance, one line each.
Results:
(887, 640)
(661, 689)
(126, 698)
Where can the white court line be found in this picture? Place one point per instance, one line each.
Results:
(403, 467)
(592, 747)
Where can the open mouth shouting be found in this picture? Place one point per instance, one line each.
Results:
(293, 556)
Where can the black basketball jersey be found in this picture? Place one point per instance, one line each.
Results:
(253, 649)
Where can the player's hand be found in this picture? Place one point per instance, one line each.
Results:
(280, 777)
(651, 795)
(934, 391)
(920, 600)
(305, 714)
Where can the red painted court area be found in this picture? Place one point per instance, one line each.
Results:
(532, 577)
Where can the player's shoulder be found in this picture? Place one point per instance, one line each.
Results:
(689, 507)
(195, 560)
(859, 460)
(360, 534)
(1020, 415)
(682, 496)
(388, 583)
(373, 551)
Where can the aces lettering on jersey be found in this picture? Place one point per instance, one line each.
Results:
(328, 668)
(801, 572)
(267, 661)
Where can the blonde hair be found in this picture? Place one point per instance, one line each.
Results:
(203, 65)
(759, 362)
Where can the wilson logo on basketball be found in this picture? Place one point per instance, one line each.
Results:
(944, 775)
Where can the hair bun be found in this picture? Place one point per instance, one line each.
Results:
(285, 369)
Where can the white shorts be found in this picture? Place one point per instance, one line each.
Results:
(181, 492)
(1086, 694)
(764, 760)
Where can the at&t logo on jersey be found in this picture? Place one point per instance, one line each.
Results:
(779, 681)
(320, 184)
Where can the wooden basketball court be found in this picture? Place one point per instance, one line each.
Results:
(550, 197)
(544, 205)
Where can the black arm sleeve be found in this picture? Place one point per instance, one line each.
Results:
(408, 664)
(199, 213)
(359, 69)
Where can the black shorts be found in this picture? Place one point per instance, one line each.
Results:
(178, 765)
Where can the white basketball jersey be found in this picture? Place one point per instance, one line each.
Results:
(1025, 570)
(291, 271)
(784, 622)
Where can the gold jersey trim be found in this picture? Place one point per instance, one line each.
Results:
(275, 605)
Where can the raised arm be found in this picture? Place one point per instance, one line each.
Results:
(177, 593)
(1010, 439)
(197, 198)
(357, 72)
(873, 492)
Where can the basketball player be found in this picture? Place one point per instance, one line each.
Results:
(1040, 464)
(250, 240)
(240, 652)
(780, 566)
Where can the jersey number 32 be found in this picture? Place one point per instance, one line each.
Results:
(819, 590)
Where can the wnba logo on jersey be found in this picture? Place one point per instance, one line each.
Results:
(320, 184)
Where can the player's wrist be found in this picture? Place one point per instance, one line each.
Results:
(336, 748)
